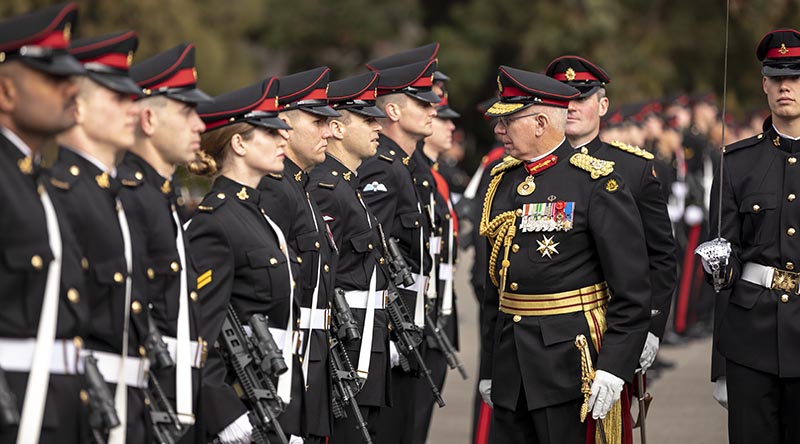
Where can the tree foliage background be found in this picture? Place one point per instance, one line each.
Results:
(650, 47)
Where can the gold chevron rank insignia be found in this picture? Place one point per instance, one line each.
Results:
(204, 279)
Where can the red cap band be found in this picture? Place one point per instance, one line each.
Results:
(184, 77)
(578, 76)
(783, 52)
(114, 60)
(53, 40)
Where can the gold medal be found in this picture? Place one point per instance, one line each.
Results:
(527, 187)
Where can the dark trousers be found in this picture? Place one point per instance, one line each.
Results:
(345, 431)
(138, 429)
(423, 411)
(396, 423)
(762, 408)
(558, 424)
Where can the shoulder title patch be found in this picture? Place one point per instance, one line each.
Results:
(635, 150)
(612, 185)
(597, 168)
(385, 157)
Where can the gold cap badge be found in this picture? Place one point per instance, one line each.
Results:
(570, 74)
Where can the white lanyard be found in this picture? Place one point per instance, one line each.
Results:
(314, 297)
(183, 366)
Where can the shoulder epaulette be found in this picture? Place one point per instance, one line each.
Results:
(635, 150)
(129, 178)
(64, 176)
(507, 163)
(744, 143)
(596, 167)
(275, 176)
(212, 201)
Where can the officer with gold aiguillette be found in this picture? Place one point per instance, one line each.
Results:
(563, 232)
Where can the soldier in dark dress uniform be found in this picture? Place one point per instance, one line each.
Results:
(241, 255)
(168, 135)
(334, 185)
(89, 185)
(636, 167)
(445, 227)
(387, 187)
(45, 309)
(563, 229)
(757, 334)
(304, 106)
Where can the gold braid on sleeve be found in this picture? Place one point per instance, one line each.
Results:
(500, 231)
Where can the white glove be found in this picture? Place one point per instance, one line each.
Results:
(721, 391)
(237, 432)
(606, 390)
(485, 389)
(650, 351)
(394, 355)
(693, 215)
(294, 439)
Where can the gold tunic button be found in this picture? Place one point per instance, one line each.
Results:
(118, 278)
(136, 307)
(517, 318)
(73, 295)
(326, 268)
(273, 261)
(427, 245)
(193, 295)
(381, 261)
(37, 262)
(425, 183)
(416, 223)
(790, 266)
(791, 231)
(84, 395)
(792, 160)
(142, 351)
(77, 341)
(74, 170)
(316, 245)
(515, 248)
(370, 247)
(138, 175)
(174, 266)
(299, 260)
(514, 286)
(300, 359)
(756, 207)
(151, 274)
(784, 298)
(84, 263)
(791, 197)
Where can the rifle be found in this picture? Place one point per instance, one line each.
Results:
(254, 362)
(346, 382)
(445, 345)
(102, 413)
(9, 413)
(408, 335)
(167, 428)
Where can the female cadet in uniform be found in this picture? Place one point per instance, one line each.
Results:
(240, 255)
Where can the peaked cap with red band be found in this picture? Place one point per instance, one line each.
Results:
(171, 73)
(520, 89)
(308, 91)
(356, 94)
(40, 40)
(421, 54)
(779, 53)
(255, 104)
(107, 60)
(579, 73)
(414, 80)
(443, 110)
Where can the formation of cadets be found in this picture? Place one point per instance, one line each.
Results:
(310, 296)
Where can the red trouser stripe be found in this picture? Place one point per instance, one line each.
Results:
(682, 305)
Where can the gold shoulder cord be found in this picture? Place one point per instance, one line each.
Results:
(500, 231)
(612, 424)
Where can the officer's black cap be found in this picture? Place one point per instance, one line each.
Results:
(439, 76)
(779, 53)
(356, 94)
(579, 73)
(255, 104)
(520, 89)
(40, 40)
(420, 54)
(308, 91)
(107, 60)
(443, 110)
(414, 80)
(171, 73)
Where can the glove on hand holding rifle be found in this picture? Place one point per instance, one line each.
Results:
(346, 382)
(408, 336)
(254, 361)
(167, 428)
(102, 413)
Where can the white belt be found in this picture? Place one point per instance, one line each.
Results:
(420, 281)
(279, 336)
(321, 317)
(770, 277)
(197, 350)
(445, 270)
(16, 355)
(108, 364)
(358, 299)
